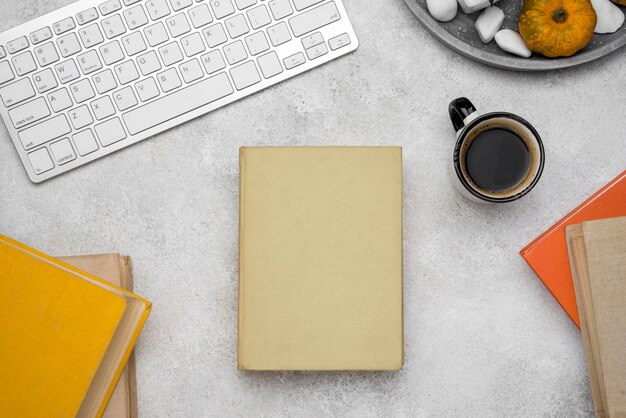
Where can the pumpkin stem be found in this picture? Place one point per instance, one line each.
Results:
(559, 15)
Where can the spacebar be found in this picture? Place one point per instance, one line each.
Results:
(178, 103)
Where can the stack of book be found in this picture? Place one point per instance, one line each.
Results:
(66, 335)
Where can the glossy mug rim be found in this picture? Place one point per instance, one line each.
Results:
(468, 128)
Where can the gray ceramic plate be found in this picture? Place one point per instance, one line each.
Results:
(460, 35)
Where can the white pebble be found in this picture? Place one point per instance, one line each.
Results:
(512, 42)
(442, 10)
(489, 22)
(471, 6)
(610, 17)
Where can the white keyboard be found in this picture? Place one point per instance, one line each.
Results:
(97, 76)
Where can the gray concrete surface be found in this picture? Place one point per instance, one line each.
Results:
(484, 338)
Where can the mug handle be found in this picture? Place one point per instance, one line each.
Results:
(459, 109)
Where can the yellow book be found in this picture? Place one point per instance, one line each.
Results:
(320, 258)
(65, 335)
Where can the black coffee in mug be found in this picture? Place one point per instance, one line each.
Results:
(498, 156)
(497, 160)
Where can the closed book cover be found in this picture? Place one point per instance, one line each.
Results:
(115, 269)
(597, 252)
(547, 254)
(65, 335)
(320, 258)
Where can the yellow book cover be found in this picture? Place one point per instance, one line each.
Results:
(64, 335)
(320, 258)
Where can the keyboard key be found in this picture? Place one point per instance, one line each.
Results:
(156, 34)
(222, 8)
(178, 25)
(147, 89)
(30, 112)
(149, 63)
(215, 35)
(80, 117)
(135, 17)
(44, 132)
(193, 44)
(134, 44)
(235, 52)
(110, 132)
(63, 26)
(69, 45)
(180, 4)
(270, 64)
(178, 103)
(91, 35)
(280, 8)
(257, 43)
(40, 35)
(243, 4)
(45, 80)
(111, 53)
(279, 34)
(89, 62)
(124, 98)
(157, 9)
(126, 72)
(294, 60)
(314, 19)
(259, 17)
(6, 73)
(104, 81)
(17, 92)
(46, 54)
(17, 45)
(171, 54)
(41, 161)
(237, 26)
(339, 41)
(85, 142)
(87, 16)
(102, 108)
(82, 90)
(213, 61)
(60, 100)
(109, 7)
(245, 75)
(200, 16)
(312, 40)
(130, 2)
(303, 4)
(317, 51)
(169, 80)
(62, 151)
(113, 26)
(67, 71)
(24, 63)
(191, 71)
(3, 52)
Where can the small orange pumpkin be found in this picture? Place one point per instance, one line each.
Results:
(557, 28)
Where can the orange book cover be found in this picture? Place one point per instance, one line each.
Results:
(547, 255)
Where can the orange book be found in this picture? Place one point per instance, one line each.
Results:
(547, 255)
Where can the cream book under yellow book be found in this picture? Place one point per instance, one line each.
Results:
(320, 258)
(65, 336)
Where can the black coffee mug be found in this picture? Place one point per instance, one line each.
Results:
(498, 157)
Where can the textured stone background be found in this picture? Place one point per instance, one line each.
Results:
(483, 336)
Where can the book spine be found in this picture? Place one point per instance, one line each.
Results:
(240, 293)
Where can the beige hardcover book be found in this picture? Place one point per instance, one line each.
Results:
(117, 270)
(320, 258)
(598, 263)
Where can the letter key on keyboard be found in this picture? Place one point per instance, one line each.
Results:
(97, 76)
